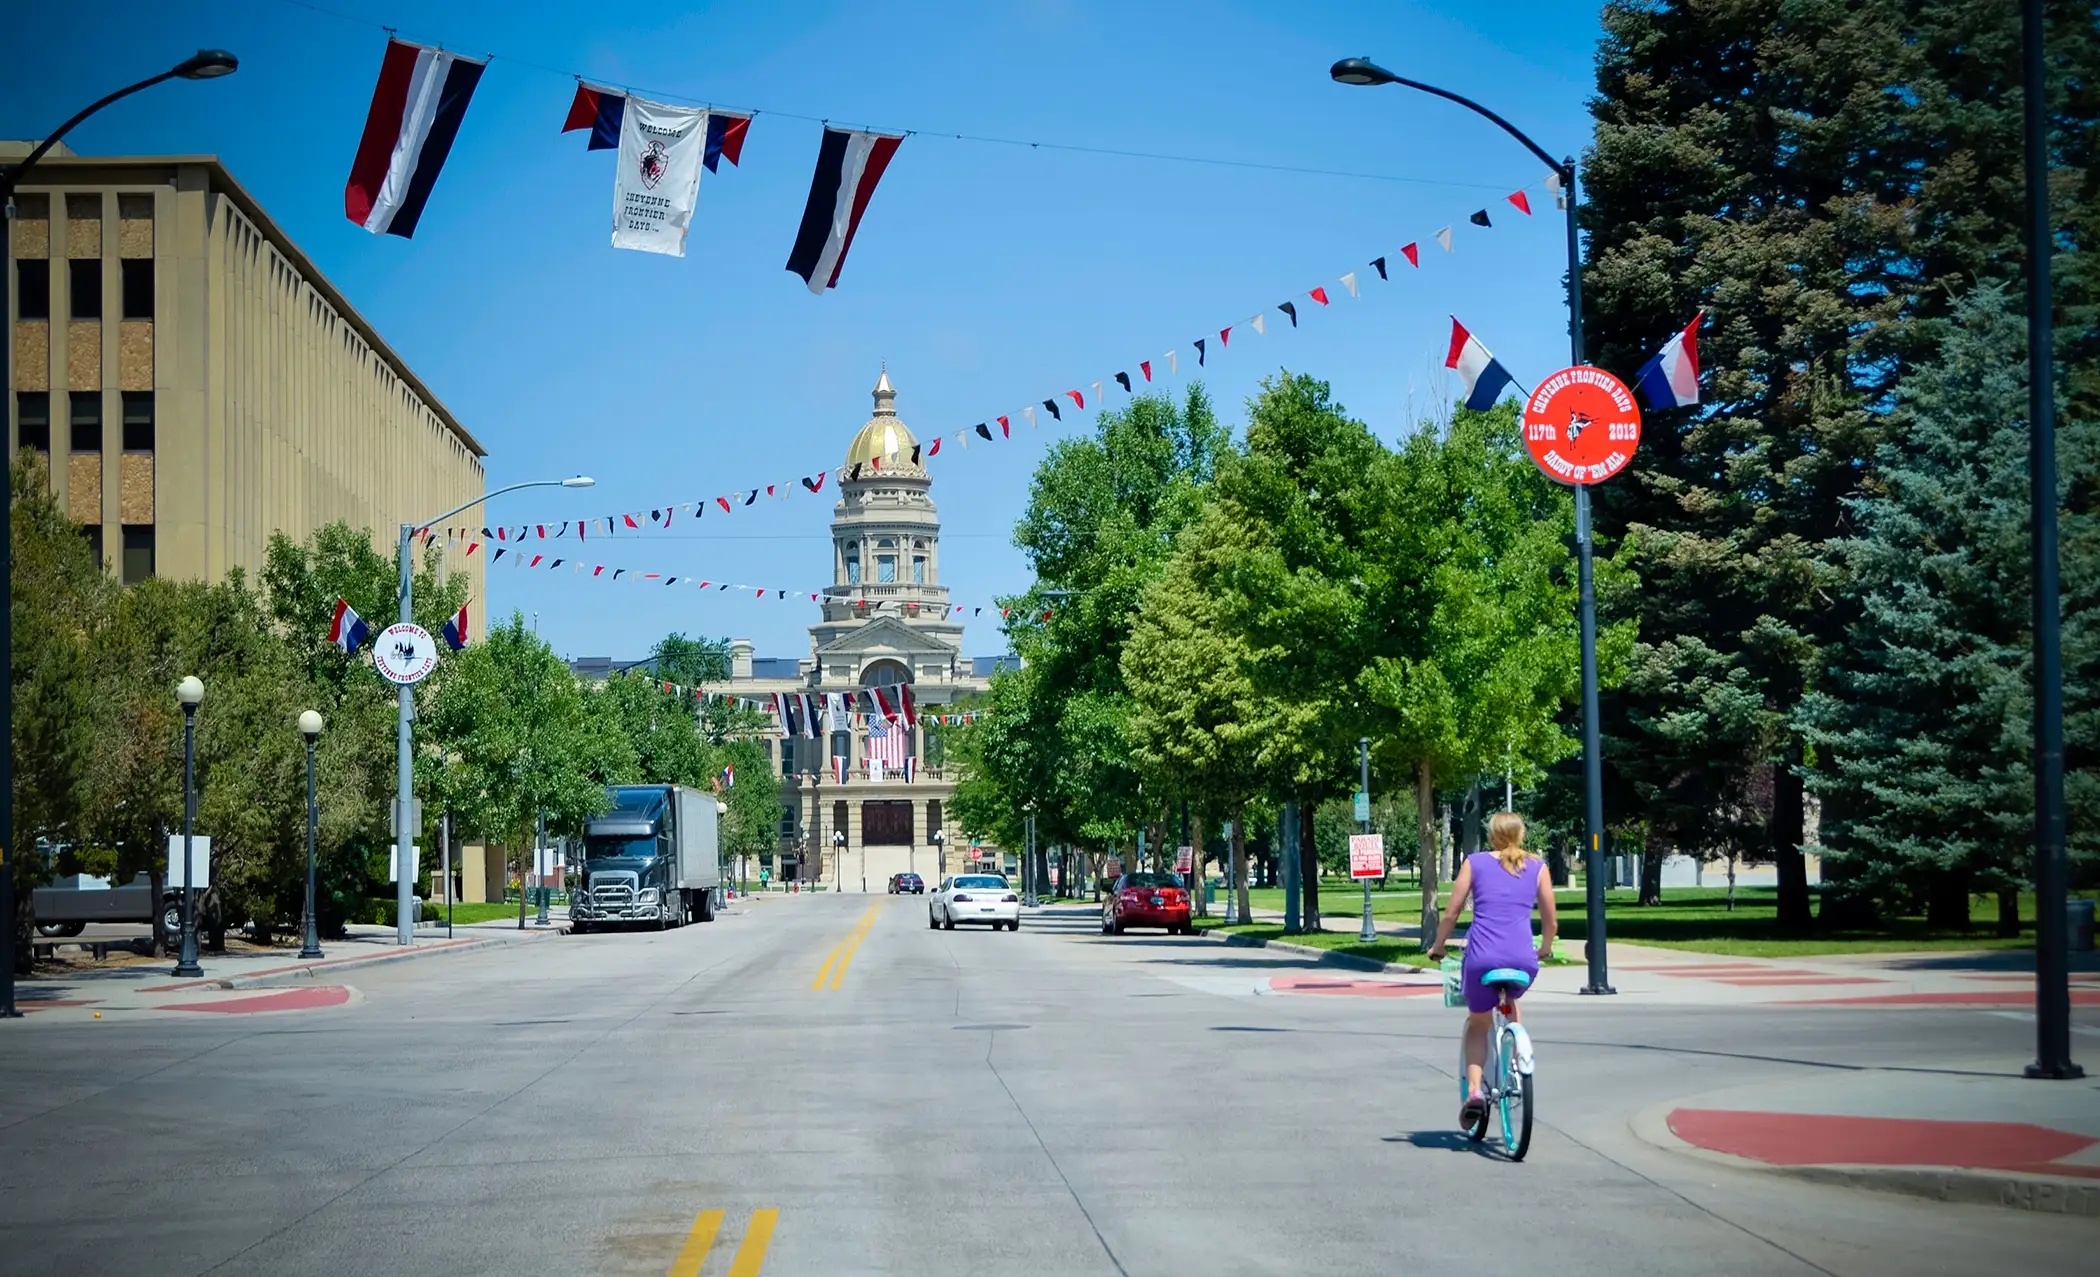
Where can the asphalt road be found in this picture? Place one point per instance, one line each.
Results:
(823, 1085)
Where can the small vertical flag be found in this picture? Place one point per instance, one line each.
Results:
(456, 629)
(1671, 379)
(600, 111)
(729, 777)
(849, 164)
(725, 138)
(347, 630)
(417, 107)
(1485, 378)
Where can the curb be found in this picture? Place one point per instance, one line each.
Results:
(2048, 1194)
(1325, 957)
(327, 967)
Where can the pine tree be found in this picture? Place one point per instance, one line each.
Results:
(1923, 727)
(1819, 178)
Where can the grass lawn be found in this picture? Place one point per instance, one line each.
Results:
(1403, 952)
(464, 912)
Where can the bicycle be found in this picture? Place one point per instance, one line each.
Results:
(1506, 1079)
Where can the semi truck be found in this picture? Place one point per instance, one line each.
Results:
(652, 859)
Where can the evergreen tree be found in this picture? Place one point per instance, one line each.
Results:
(1815, 176)
(1924, 725)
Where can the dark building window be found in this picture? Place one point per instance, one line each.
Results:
(886, 822)
(933, 817)
(33, 415)
(33, 288)
(92, 534)
(838, 820)
(138, 552)
(86, 418)
(138, 290)
(787, 758)
(138, 422)
(86, 282)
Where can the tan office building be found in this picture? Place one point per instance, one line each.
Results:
(197, 383)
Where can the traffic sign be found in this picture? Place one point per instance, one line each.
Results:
(1367, 855)
(404, 653)
(1363, 806)
(200, 851)
(1184, 860)
(1581, 425)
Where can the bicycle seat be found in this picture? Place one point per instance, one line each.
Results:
(1507, 975)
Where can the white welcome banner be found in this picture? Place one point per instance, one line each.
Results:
(658, 179)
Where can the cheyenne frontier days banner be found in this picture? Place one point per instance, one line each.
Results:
(659, 175)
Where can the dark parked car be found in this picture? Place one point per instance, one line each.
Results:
(66, 911)
(1147, 900)
(907, 885)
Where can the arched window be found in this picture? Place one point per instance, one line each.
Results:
(886, 561)
(852, 563)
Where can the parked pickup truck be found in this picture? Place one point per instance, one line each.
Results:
(66, 910)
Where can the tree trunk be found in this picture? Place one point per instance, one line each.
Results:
(2008, 912)
(1196, 876)
(1426, 841)
(166, 941)
(1308, 867)
(1947, 902)
(1242, 912)
(1792, 867)
(1652, 857)
(22, 926)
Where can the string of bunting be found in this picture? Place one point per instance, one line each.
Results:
(811, 714)
(995, 429)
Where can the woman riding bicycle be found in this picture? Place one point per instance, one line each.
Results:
(1504, 884)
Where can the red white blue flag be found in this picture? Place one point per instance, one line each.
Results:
(849, 164)
(347, 630)
(603, 111)
(417, 107)
(456, 629)
(1484, 375)
(1671, 379)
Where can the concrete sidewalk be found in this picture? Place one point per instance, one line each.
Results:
(1952, 1135)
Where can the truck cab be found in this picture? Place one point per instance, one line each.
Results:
(650, 860)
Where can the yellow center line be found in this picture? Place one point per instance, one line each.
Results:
(853, 946)
(751, 1255)
(834, 968)
(697, 1244)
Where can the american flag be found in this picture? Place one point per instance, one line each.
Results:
(885, 745)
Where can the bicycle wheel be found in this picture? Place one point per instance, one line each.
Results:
(1515, 1102)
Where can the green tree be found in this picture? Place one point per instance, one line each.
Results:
(519, 738)
(1923, 727)
(1815, 177)
(58, 599)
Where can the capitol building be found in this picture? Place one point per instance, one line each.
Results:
(885, 619)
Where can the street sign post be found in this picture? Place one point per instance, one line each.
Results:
(1184, 860)
(200, 845)
(404, 654)
(1581, 427)
(1363, 807)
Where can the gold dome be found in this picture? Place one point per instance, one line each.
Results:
(884, 439)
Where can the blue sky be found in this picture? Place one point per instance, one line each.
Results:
(989, 276)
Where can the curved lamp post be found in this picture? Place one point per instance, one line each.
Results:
(1363, 71)
(721, 816)
(940, 852)
(190, 692)
(404, 756)
(207, 64)
(310, 728)
(838, 853)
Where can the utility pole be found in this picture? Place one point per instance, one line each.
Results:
(1369, 932)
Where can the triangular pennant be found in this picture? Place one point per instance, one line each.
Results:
(983, 431)
(1413, 254)
(1348, 282)
(1051, 406)
(933, 449)
(1123, 380)
(1145, 366)
(1097, 393)
(1173, 364)
(816, 484)
(916, 449)
(1199, 352)
(724, 503)
(1443, 239)
(1261, 327)
(1290, 309)
(1480, 217)
(1224, 337)
(1522, 202)
(1006, 428)
(1379, 262)
(753, 497)
(1076, 398)
(1319, 295)
(1030, 414)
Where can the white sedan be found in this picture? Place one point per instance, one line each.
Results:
(970, 898)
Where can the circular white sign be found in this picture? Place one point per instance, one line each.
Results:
(405, 654)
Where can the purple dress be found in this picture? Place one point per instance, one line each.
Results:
(1500, 933)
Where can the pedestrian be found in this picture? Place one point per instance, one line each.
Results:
(1503, 884)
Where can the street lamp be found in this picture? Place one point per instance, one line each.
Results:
(940, 852)
(722, 815)
(207, 64)
(1363, 71)
(404, 756)
(310, 728)
(190, 691)
(838, 853)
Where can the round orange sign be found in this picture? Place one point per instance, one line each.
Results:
(1581, 425)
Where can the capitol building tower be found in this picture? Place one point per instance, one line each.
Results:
(886, 620)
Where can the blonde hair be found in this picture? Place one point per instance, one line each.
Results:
(1506, 839)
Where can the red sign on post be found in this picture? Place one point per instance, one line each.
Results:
(1581, 425)
(1367, 855)
(1184, 859)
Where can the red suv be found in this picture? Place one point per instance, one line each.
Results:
(1147, 900)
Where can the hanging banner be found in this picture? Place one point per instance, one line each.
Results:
(1581, 425)
(658, 179)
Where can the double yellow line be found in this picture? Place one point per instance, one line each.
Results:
(833, 972)
(750, 1253)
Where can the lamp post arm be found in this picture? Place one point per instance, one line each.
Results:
(12, 174)
(486, 496)
(1557, 166)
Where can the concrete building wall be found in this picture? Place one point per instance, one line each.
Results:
(274, 406)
